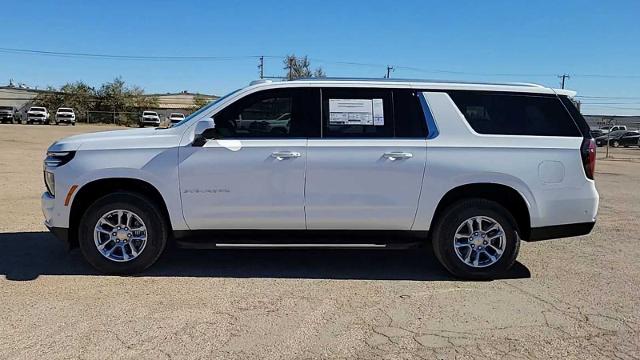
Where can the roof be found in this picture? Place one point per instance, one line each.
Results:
(416, 84)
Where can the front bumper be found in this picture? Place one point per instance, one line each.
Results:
(47, 202)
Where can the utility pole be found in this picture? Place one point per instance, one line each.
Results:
(261, 67)
(563, 77)
(389, 70)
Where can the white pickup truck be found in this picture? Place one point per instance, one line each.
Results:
(37, 114)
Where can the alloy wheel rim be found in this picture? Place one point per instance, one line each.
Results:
(120, 235)
(479, 241)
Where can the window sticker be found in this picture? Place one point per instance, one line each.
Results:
(356, 112)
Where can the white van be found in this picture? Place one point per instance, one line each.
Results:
(471, 168)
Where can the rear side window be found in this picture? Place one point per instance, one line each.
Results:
(357, 113)
(408, 115)
(515, 114)
(577, 116)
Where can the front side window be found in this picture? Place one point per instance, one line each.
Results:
(266, 114)
(515, 114)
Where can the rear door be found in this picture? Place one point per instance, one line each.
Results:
(365, 169)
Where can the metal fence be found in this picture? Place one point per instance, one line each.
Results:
(113, 117)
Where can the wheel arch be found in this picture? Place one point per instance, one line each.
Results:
(96, 189)
(504, 195)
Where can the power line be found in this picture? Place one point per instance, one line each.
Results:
(130, 57)
(245, 57)
(591, 97)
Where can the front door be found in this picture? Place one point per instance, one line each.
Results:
(252, 175)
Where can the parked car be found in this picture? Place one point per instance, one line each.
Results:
(470, 168)
(596, 133)
(175, 118)
(619, 138)
(8, 114)
(149, 118)
(608, 129)
(66, 115)
(37, 114)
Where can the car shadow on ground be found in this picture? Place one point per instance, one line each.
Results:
(27, 255)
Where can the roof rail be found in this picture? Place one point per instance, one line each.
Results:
(420, 80)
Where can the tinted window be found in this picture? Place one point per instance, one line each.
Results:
(515, 114)
(408, 115)
(266, 114)
(357, 113)
(576, 115)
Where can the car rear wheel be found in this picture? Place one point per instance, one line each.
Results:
(615, 143)
(122, 233)
(476, 239)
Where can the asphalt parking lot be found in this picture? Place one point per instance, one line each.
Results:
(571, 298)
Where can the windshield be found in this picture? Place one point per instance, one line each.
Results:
(149, 113)
(209, 106)
(177, 116)
(65, 110)
(37, 109)
(6, 108)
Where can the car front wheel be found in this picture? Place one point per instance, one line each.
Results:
(122, 233)
(476, 239)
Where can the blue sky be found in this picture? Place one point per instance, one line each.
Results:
(529, 41)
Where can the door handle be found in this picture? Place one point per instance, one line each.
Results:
(397, 155)
(281, 155)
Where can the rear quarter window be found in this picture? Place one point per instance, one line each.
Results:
(515, 114)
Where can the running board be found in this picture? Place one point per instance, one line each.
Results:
(208, 245)
(298, 239)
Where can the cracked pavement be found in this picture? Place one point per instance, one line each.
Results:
(571, 298)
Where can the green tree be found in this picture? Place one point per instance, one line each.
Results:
(79, 96)
(136, 99)
(51, 98)
(300, 67)
(113, 95)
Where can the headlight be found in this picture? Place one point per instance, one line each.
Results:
(58, 158)
(55, 159)
(50, 182)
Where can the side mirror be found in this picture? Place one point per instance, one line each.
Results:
(205, 130)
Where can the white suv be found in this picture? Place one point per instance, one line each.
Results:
(472, 168)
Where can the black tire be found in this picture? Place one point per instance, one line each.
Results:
(445, 230)
(73, 123)
(147, 210)
(615, 143)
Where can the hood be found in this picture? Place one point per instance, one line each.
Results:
(120, 139)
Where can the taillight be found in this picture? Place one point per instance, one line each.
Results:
(588, 152)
